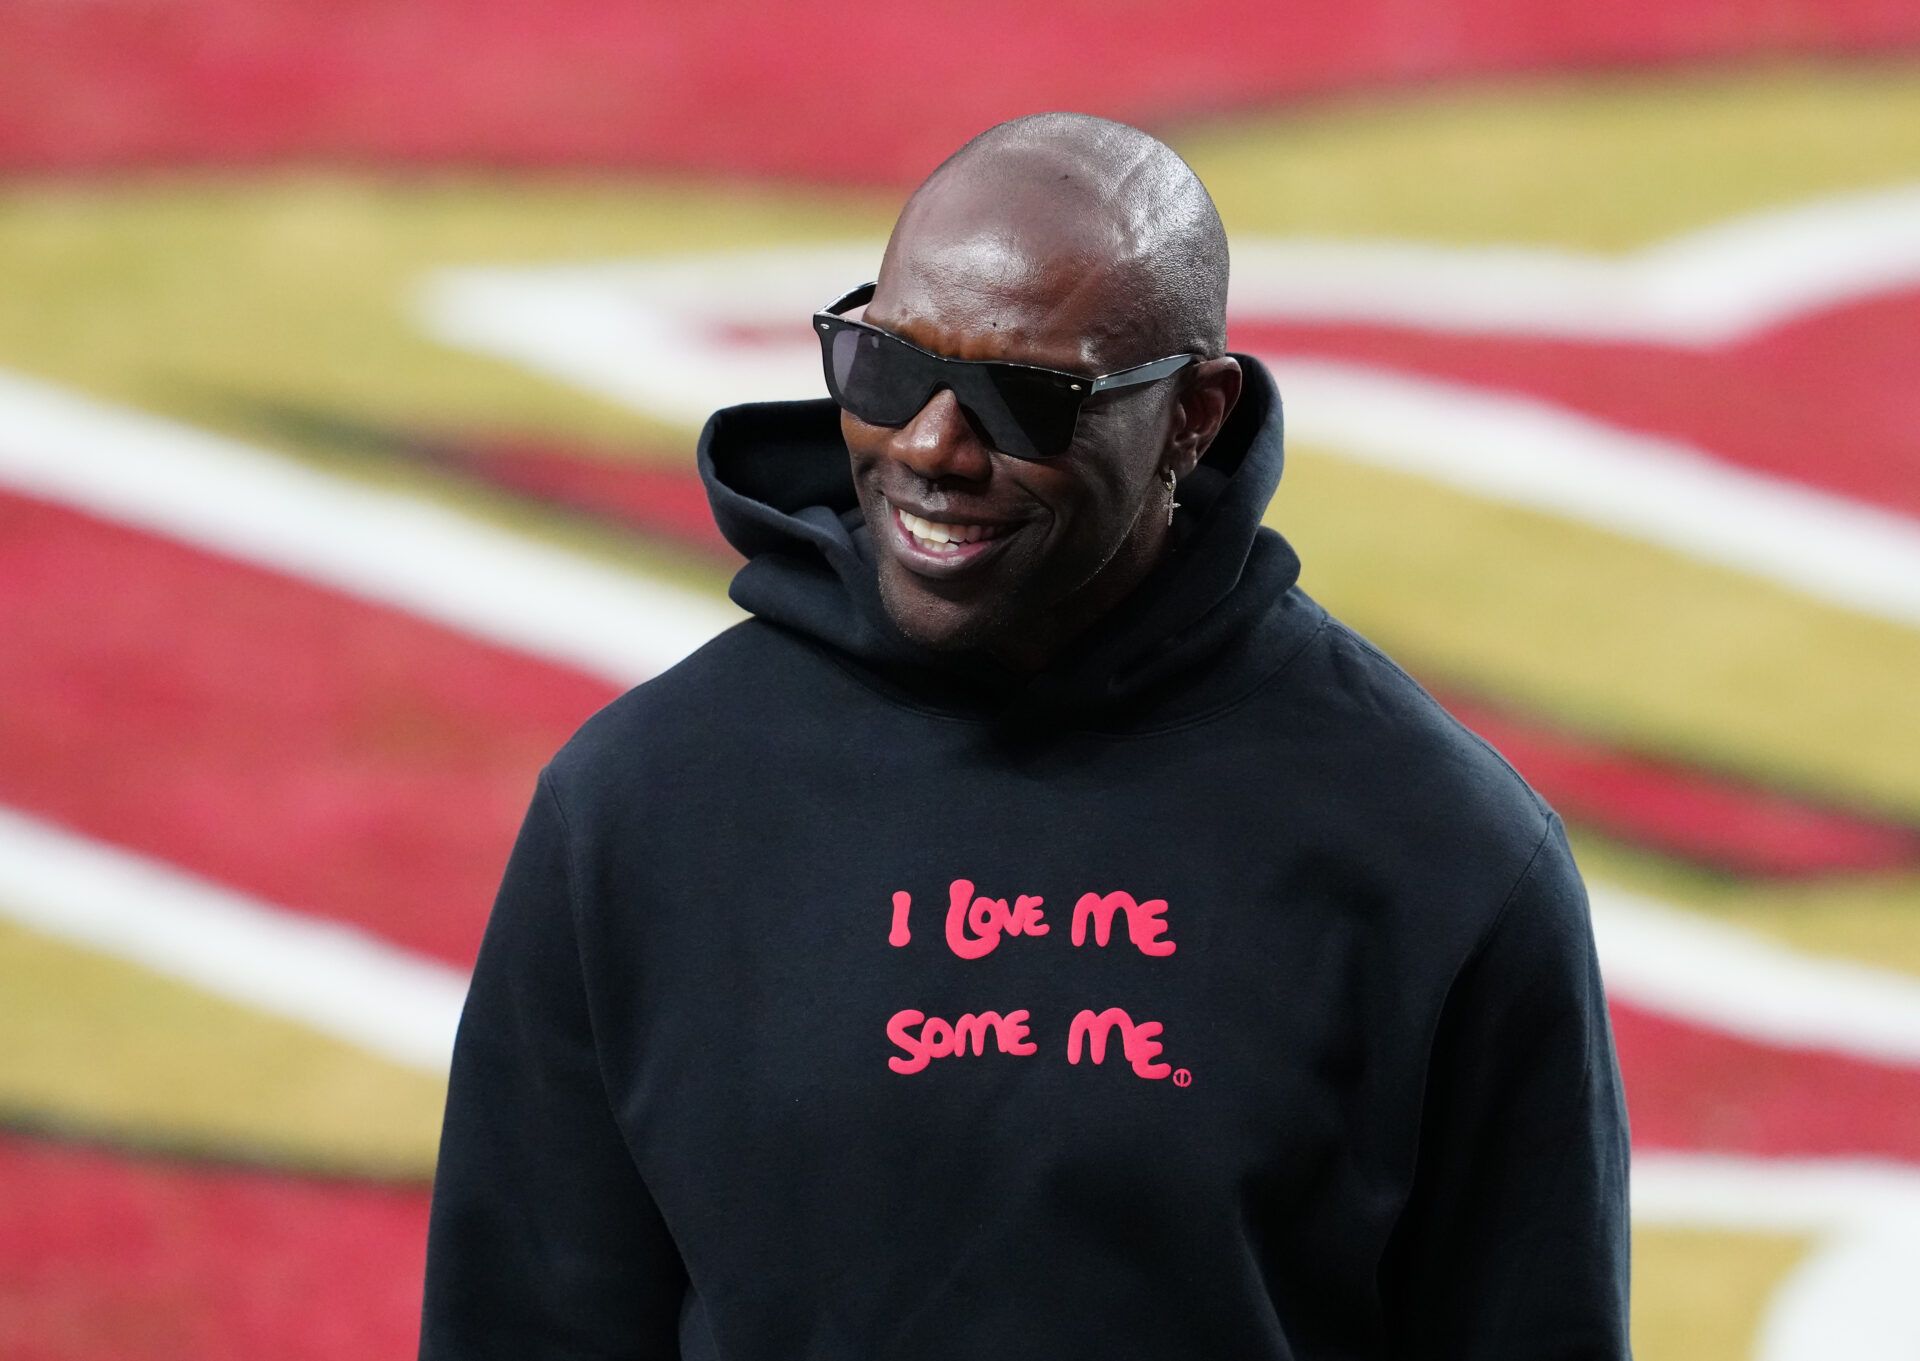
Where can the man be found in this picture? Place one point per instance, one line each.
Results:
(1041, 930)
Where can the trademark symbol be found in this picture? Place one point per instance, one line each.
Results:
(1182, 1078)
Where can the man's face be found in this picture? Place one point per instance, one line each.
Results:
(1054, 525)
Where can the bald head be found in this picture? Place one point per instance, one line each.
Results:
(1117, 223)
(1070, 243)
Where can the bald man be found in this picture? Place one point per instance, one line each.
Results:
(1040, 930)
(1080, 245)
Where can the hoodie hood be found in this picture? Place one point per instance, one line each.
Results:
(1219, 613)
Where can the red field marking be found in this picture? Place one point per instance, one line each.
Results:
(862, 91)
(1699, 1090)
(1828, 399)
(646, 494)
(109, 1258)
(316, 750)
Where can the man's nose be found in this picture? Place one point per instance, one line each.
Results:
(940, 442)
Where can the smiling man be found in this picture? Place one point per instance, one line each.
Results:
(1041, 930)
(1082, 247)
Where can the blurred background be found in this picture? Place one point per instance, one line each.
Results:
(351, 357)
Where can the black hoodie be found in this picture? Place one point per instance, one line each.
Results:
(1211, 993)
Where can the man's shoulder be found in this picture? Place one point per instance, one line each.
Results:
(1386, 738)
(727, 683)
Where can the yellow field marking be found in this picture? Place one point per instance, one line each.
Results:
(1867, 918)
(1625, 641)
(103, 1046)
(199, 295)
(1699, 1296)
(1604, 162)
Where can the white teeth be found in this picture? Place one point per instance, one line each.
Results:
(942, 538)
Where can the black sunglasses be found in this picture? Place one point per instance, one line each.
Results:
(1022, 409)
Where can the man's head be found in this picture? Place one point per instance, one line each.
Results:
(1077, 244)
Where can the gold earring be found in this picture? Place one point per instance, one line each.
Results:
(1171, 503)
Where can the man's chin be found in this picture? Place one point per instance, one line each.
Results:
(942, 625)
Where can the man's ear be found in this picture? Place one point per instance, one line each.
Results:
(1206, 399)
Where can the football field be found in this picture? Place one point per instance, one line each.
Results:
(336, 493)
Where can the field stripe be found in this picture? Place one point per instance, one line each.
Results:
(1771, 1195)
(1531, 453)
(337, 979)
(181, 704)
(1692, 1086)
(102, 1047)
(1852, 1297)
(659, 495)
(235, 499)
(1725, 978)
(1684, 965)
(1710, 287)
(1823, 402)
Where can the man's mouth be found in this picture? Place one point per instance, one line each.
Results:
(934, 548)
(936, 537)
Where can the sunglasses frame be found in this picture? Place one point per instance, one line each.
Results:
(828, 320)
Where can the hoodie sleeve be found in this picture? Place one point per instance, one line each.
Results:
(542, 1240)
(1514, 1238)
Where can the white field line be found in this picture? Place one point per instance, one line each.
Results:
(1853, 1294)
(1703, 288)
(340, 981)
(1723, 977)
(1531, 453)
(653, 333)
(233, 498)
(1772, 1195)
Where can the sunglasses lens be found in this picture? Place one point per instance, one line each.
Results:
(875, 377)
(1027, 415)
(885, 382)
